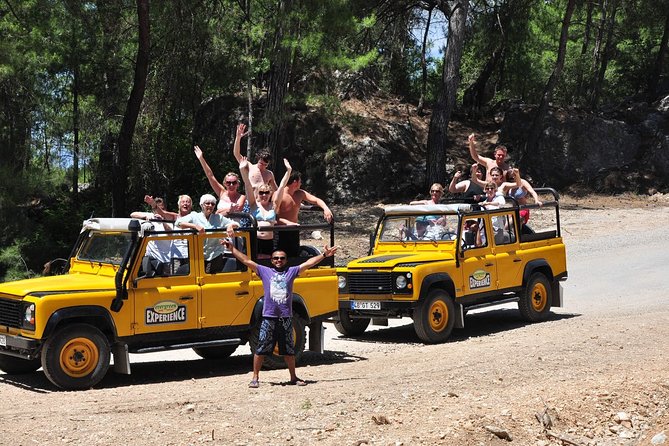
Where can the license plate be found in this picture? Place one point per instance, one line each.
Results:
(3, 341)
(365, 305)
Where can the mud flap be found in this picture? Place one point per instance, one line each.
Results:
(459, 316)
(557, 291)
(121, 358)
(317, 337)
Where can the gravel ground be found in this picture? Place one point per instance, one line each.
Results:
(595, 373)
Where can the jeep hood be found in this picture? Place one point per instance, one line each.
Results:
(391, 260)
(41, 286)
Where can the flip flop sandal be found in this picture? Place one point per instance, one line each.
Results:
(298, 382)
(254, 384)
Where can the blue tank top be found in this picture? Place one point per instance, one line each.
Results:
(271, 215)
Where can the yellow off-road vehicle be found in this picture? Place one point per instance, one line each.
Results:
(435, 262)
(116, 297)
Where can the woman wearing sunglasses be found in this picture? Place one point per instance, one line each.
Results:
(229, 198)
(261, 206)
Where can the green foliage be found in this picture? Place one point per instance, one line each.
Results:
(209, 58)
(12, 264)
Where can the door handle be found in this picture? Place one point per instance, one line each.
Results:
(489, 264)
(517, 260)
(241, 293)
(186, 298)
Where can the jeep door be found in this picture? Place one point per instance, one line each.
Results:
(165, 290)
(226, 290)
(509, 262)
(479, 270)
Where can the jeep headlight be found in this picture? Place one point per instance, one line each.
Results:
(341, 282)
(29, 317)
(403, 283)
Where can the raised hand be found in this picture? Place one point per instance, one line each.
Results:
(241, 131)
(198, 152)
(287, 164)
(244, 163)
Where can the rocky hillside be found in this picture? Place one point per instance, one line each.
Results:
(374, 149)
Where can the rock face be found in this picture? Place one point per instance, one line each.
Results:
(376, 151)
(620, 151)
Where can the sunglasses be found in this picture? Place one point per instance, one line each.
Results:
(279, 258)
(263, 192)
(231, 183)
(489, 188)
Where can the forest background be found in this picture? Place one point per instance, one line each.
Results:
(102, 101)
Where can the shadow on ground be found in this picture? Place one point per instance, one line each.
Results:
(172, 371)
(476, 325)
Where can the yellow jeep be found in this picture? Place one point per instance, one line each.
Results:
(435, 262)
(117, 298)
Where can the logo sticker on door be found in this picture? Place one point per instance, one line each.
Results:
(165, 312)
(479, 279)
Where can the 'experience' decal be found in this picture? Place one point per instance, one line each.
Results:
(165, 312)
(479, 279)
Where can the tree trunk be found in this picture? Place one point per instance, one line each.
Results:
(441, 114)
(75, 130)
(605, 56)
(124, 141)
(423, 64)
(654, 79)
(537, 123)
(278, 83)
(584, 50)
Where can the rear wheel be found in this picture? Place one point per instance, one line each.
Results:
(275, 360)
(18, 366)
(535, 303)
(309, 251)
(434, 318)
(350, 327)
(76, 357)
(220, 352)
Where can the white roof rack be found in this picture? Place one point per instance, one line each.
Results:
(428, 208)
(113, 224)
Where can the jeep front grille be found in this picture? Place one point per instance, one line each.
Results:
(10, 313)
(370, 283)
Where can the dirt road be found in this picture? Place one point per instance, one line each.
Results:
(596, 373)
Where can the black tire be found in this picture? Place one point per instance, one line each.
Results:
(275, 360)
(350, 327)
(76, 357)
(535, 302)
(12, 365)
(220, 352)
(434, 318)
(309, 251)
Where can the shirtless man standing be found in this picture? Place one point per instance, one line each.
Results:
(289, 208)
(288, 211)
(259, 174)
(489, 163)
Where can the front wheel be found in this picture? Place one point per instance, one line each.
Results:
(350, 327)
(434, 318)
(275, 360)
(18, 366)
(76, 357)
(535, 303)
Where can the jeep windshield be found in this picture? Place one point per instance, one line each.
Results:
(419, 228)
(105, 247)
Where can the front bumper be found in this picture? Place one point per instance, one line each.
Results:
(19, 346)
